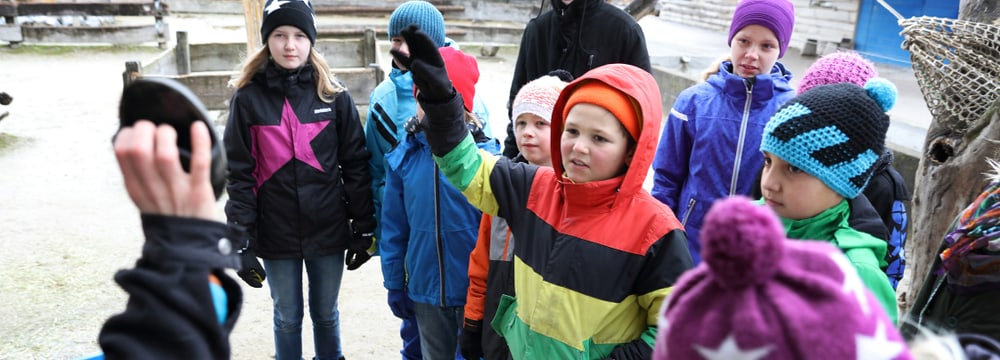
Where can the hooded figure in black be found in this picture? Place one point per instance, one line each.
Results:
(576, 36)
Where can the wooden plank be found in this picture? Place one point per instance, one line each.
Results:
(133, 34)
(11, 33)
(212, 87)
(63, 8)
(356, 10)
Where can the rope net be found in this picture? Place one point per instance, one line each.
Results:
(957, 65)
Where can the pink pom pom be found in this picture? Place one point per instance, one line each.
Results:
(741, 242)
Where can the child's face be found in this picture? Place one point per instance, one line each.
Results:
(793, 193)
(594, 146)
(289, 47)
(532, 134)
(754, 51)
(399, 44)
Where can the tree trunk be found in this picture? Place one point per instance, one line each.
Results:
(640, 8)
(984, 11)
(950, 173)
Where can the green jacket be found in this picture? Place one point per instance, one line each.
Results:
(866, 252)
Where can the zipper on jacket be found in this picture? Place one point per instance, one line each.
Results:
(688, 212)
(437, 233)
(739, 143)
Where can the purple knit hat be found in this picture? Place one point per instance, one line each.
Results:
(838, 67)
(758, 295)
(777, 15)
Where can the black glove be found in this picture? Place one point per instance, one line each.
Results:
(636, 349)
(470, 340)
(251, 272)
(5, 99)
(426, 64)
(357, 252)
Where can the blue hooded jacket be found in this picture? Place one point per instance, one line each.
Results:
(391, 104)
(428, 227)
(710, 147)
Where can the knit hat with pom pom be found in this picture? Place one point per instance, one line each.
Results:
(834, 132)
(838, 67)
(538, 97)
(758, 295)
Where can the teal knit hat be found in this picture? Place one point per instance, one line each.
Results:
(833, 132)
(421, 13)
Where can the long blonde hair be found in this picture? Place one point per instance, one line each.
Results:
(327, 88)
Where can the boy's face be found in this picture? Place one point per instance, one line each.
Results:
(289, 47)
(754, 51)
(397, 43)
(593, 145)
(791, 192)
(532, 134)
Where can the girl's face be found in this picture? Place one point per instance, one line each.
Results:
(754, 51)
(793, 193)
(594, 146)
(532, 134)
(289, 47)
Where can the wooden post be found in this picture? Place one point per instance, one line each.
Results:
(182, 54)
(133, 70)
(253, 15)
(949, 176)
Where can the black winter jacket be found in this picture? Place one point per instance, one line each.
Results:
(170, 313)
(577, 37)
(298, 167)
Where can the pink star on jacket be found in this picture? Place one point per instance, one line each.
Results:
(276, 145)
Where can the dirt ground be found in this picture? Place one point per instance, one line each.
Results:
(67, 225)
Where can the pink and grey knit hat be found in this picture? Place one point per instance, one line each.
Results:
(538, 97)
(758, 295)
(838, 67)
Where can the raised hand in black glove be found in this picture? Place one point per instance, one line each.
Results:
(426, 64)
(470, 340)
(357, 251)
(251, 272)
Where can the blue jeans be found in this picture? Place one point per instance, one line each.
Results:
(284, 277)
(410, 334)
(439, 327)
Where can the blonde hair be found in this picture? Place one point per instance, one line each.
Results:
(327, 88)
(713, 68)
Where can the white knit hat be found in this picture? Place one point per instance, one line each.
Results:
(538, 97)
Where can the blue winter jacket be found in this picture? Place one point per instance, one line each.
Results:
(428, 227)
(389, 106)
(710, 147)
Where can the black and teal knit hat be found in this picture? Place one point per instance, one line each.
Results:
(833, 132)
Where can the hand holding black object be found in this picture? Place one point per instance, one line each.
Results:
(426, 64)
(470, 340)
(251, 272)
(357, 251)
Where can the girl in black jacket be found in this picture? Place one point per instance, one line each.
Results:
(298, 178)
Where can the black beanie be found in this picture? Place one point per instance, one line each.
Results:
(297, 13)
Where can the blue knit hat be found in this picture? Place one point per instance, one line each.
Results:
(297, 13)
(776, 15)
(422, 13)
(833, 132)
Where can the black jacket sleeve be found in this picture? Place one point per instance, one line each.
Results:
(353, 158)
(241, 208)
(170, 312)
